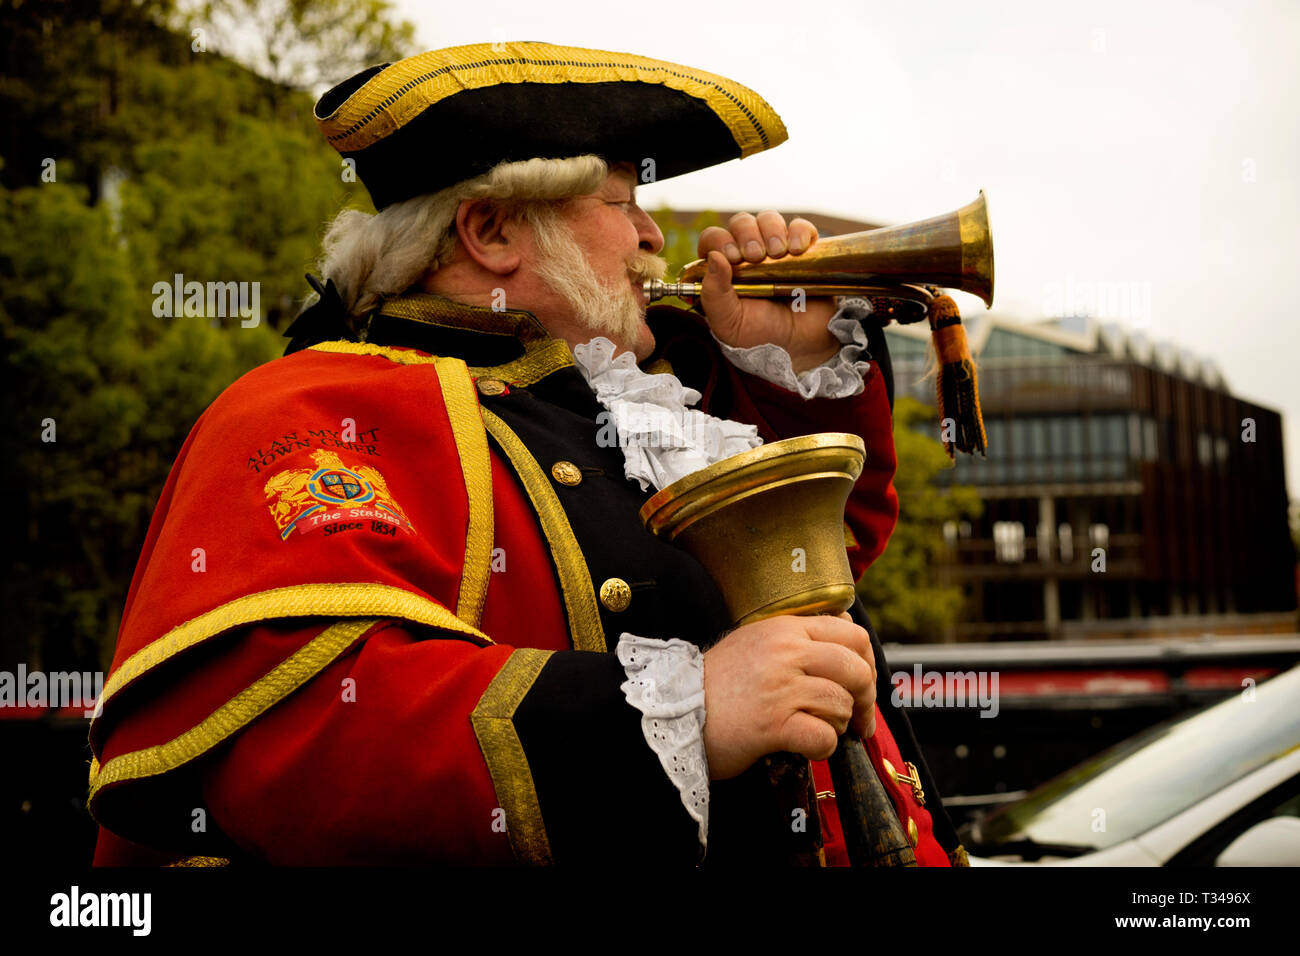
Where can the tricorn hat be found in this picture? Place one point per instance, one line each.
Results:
(430, 121)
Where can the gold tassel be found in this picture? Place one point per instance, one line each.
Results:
(958, 383)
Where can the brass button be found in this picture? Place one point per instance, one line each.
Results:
(913, 834)
(491, 386)
(889, 769)
(566, 473)
(615, 594)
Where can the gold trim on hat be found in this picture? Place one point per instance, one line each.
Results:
(396, 95)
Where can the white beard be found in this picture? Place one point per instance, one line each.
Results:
(615, 311)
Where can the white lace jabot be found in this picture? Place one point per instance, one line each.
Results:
(663, 439)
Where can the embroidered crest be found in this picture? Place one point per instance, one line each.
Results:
(333, 497)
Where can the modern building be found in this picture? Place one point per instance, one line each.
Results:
(1126, 490)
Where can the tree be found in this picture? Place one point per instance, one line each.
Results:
(900, 590)
(304, 44)
(167, 161)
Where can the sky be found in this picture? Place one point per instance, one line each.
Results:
(1148, 152)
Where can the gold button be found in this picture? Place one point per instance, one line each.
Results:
(913, 834)
(615, 594)
(491, 386)
(566, 473)
(889, 769)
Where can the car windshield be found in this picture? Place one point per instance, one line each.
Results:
(1155, 775)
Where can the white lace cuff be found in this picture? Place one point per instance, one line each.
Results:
(665, 681)
(840, 376)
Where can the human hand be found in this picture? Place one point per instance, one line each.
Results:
(786, 683)
(743, 323)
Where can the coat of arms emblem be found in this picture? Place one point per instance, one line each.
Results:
(307, 499)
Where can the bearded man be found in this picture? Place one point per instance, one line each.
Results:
(429, 625)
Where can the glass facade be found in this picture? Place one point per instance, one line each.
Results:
(1100, 463)
(1048, 448)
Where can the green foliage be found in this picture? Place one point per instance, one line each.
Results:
(679, 243)
(166, 161)
(306, 43)
(900, 589)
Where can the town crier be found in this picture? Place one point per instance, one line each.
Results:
(427, 624)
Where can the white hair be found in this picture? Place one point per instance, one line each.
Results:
(370, 256)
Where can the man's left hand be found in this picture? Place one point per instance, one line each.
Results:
(743, 323)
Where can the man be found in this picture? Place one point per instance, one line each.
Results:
(417, 617)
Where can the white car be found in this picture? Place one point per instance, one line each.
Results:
(1218, 787)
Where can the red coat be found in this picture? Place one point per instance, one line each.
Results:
(407, 675)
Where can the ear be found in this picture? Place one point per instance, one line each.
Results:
(488, 237)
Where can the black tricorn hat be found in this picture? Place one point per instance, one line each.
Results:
(433, 120)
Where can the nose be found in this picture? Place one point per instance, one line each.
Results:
(651, 238)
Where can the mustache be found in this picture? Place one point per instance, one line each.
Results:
(646, 265)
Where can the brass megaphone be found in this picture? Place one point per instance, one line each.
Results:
(953, 251)
(768, 526)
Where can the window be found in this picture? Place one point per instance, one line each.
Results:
(1009, 541)
(1114, 436)
(1065, 535)
(1044, 542)
(1020, 438)
(1074, 437)
(1095, 449)
(1038, 438)
(1098, 536)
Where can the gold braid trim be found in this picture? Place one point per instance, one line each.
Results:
(430, 309)
(476, 468)
(235, 714)
(400, 93)
(541, 358)
(202, 861)
(539, 361)
(958, 856)
(493, 721)
(299, 600)
(585, 628)
(400, 356)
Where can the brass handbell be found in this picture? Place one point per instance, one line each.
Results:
(768, 526)
(952, 251)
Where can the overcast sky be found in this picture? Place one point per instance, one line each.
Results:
(1148, 149)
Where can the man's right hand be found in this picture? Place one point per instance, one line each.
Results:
(786, 683)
